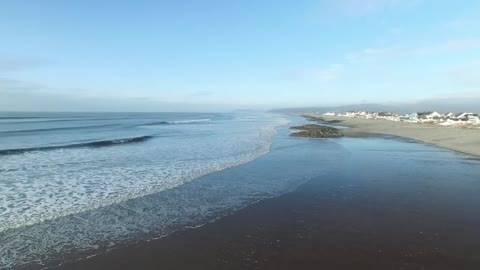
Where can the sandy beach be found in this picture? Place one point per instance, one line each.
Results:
(464, 140)
(405, 212)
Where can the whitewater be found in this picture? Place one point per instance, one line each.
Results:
(53, 165)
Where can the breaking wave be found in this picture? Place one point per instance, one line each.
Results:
(177, 122)
(102, 143)
(150, 185)
(39, 186)
(19, 132)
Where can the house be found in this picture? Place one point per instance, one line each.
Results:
(385, 114)
(462, 115)
(388, 116)
(433, 115)
(412, 116)
(451, 122)
(362, 114)
(474, 119)
(329, 114)
(450, 115)
(349, 114)
(430, 117)
(438, 119)
(370, 115)
(448, 119)
(423, 115)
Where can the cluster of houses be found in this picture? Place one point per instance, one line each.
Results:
(448, 119)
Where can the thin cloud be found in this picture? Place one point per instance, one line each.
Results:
(461, 25)
(448, 46)
(466, 76)
(328, 74)
(7, 84)
(325, 75)
(356, 8)
(461, 44)
(8, 63)
(395, 31)
(202, 93)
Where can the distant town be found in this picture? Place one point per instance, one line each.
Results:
(448, 119)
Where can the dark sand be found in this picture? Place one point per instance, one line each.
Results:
(322, 225)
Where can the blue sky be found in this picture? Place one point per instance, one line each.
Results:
(215, 55)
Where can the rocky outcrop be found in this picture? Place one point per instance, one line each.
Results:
(321, 119)
(316, 131)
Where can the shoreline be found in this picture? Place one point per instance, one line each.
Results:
(332, 221)
(405, 213)
(461, 140)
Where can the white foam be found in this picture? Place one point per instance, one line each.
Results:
(40, 186)
(190, 121)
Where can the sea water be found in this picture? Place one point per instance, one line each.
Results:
(58, 164)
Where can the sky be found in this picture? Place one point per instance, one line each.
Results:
(219, 55)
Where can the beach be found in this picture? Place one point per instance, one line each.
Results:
(319, 226)
(218, 135)
(415, 209)
(365, 202)
(464, 140)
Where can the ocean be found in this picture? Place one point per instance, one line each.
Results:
(58, 164)
(73, 185)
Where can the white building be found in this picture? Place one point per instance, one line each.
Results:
(433, 115)
(474, 119)
(451, 122)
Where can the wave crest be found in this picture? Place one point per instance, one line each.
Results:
(179, 122)
(102, 143)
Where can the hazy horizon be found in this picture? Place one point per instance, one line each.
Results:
(214, 56)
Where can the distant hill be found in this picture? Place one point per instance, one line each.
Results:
(447, 105)
(345, 108)
(442, 105)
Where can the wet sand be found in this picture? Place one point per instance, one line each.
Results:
(335, 224)
(464, 140)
